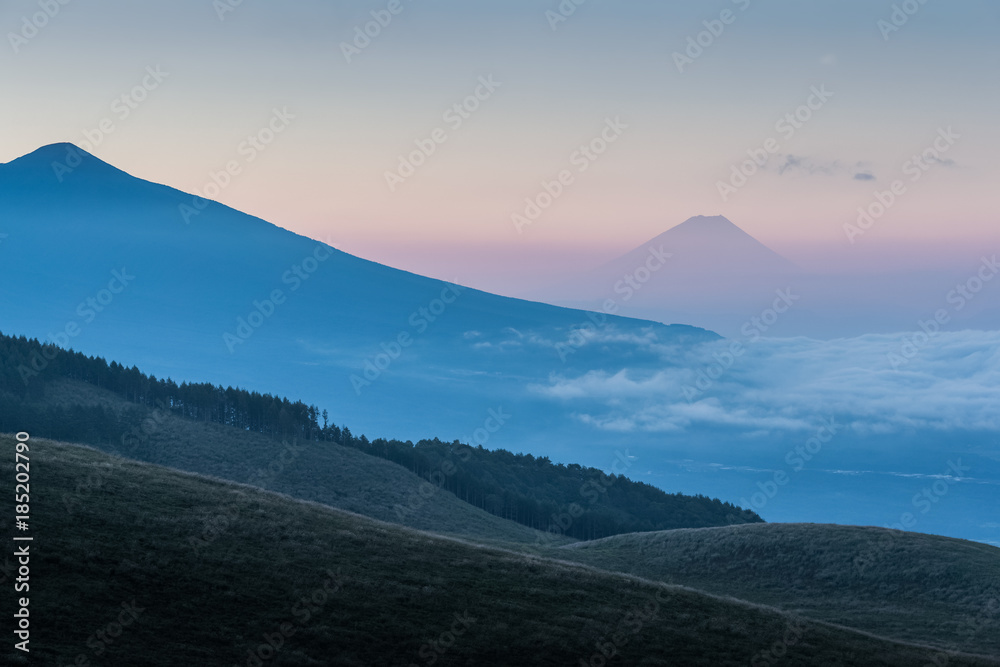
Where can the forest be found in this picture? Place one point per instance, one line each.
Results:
(577, 501)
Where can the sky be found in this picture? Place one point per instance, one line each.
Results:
(318, 123)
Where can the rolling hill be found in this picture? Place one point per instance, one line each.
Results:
(191, 570)
(910, 586)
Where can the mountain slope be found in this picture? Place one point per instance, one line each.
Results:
(323, 472)
(204, 572)
(910, 586)
(192, 289)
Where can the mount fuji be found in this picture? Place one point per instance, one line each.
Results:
(705, 270)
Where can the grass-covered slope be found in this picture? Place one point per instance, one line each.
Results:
(319, 471)
(910, 586)
(135, 564)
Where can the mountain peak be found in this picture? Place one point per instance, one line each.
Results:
(710, 243)
(57, 152)
(714, 230)
(55, 162)
(708, 223)
(59, 147)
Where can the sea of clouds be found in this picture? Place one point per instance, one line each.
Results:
(873, 384)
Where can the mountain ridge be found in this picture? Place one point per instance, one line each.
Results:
(198, 285)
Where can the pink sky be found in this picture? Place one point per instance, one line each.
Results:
(549, 92)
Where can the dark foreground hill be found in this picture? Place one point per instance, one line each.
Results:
(911, 586)
(135, 564)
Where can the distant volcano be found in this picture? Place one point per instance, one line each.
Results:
(707, 245)
(704, 270)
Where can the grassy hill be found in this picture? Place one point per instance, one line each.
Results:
(910, 586)
(323, 472)
(135, 564)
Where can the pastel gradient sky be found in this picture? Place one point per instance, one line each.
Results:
(324, 175)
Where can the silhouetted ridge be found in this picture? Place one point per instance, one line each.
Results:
(63, 164)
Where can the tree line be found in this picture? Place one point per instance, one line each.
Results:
(580, 502)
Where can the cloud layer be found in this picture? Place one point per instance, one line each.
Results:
(875, 384)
